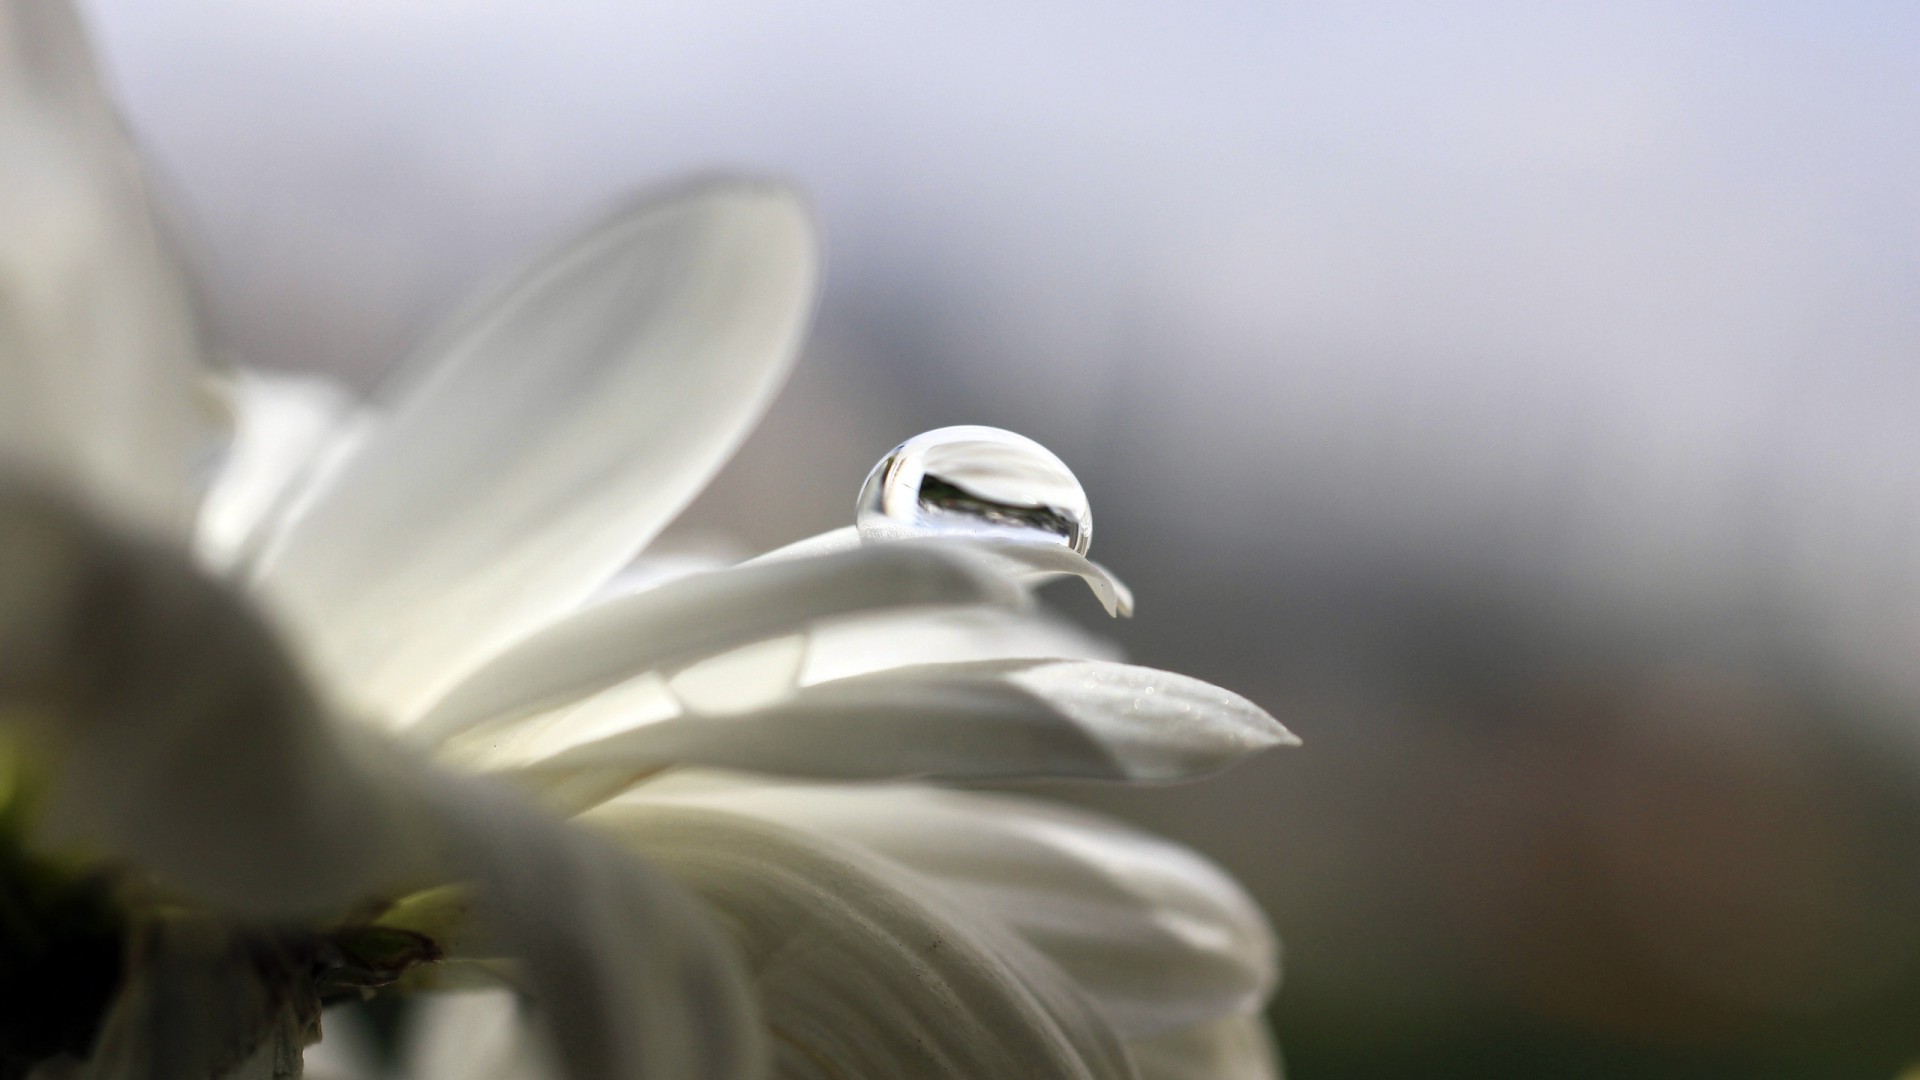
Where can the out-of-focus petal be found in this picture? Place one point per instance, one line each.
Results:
(540, 441)
(861, 973)
(701, 615)
(101, 376)
(346, 1050)
(627, 970)
(473, 1035)
(200, 1000)
(1159, 938)
(286, 430)
(1236, 1048)
(174, 732)
(996, 718)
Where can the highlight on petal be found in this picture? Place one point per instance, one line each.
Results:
(286, 431)
(860, 972)
(540, 441)
(702, 615)
(1158, 938)
(625, 969)
(176, 736)
(101, 360)
(996, 718)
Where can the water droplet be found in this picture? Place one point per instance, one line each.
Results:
(975, 481)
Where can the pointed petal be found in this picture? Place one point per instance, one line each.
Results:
(860, 972)
(542, 440)
(100, 353)
(1043, 561)
(701, 615)
(1156, 936)
(1236, 1048)
(626, 969)
(997, 718)
(175, 733)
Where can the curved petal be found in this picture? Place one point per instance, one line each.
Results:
(286, 429)
(175, 733)
(624, 967)
(860, 972)
(700, 615)
(1034, 562)
(543, 439)
(1043, 561)
(863, 644)
(1159, 938)
(1236, 1048)
(995, 718)
(100, 352)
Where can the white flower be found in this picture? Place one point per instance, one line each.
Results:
(257, 696)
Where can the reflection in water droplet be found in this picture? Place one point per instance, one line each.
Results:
(975, 481)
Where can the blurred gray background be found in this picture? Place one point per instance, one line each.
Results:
(1518, 399)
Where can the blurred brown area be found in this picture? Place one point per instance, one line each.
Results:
(1517, 401)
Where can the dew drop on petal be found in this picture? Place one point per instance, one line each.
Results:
(975, 481)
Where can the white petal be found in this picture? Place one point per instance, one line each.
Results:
(1043, 561)
(1013, 718)
(863, 644)
(542, 440)
(286, 429)
(862, 974)
(744, 679)
(626, 969)
(1159, 938)
(1236, 1048)
(702, 615)
(1034, 562)
(100, 353)
(176, 734)
(831, 542)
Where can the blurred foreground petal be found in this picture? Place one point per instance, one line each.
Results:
(101, 378)
(1237, 1048)
(175, 733)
